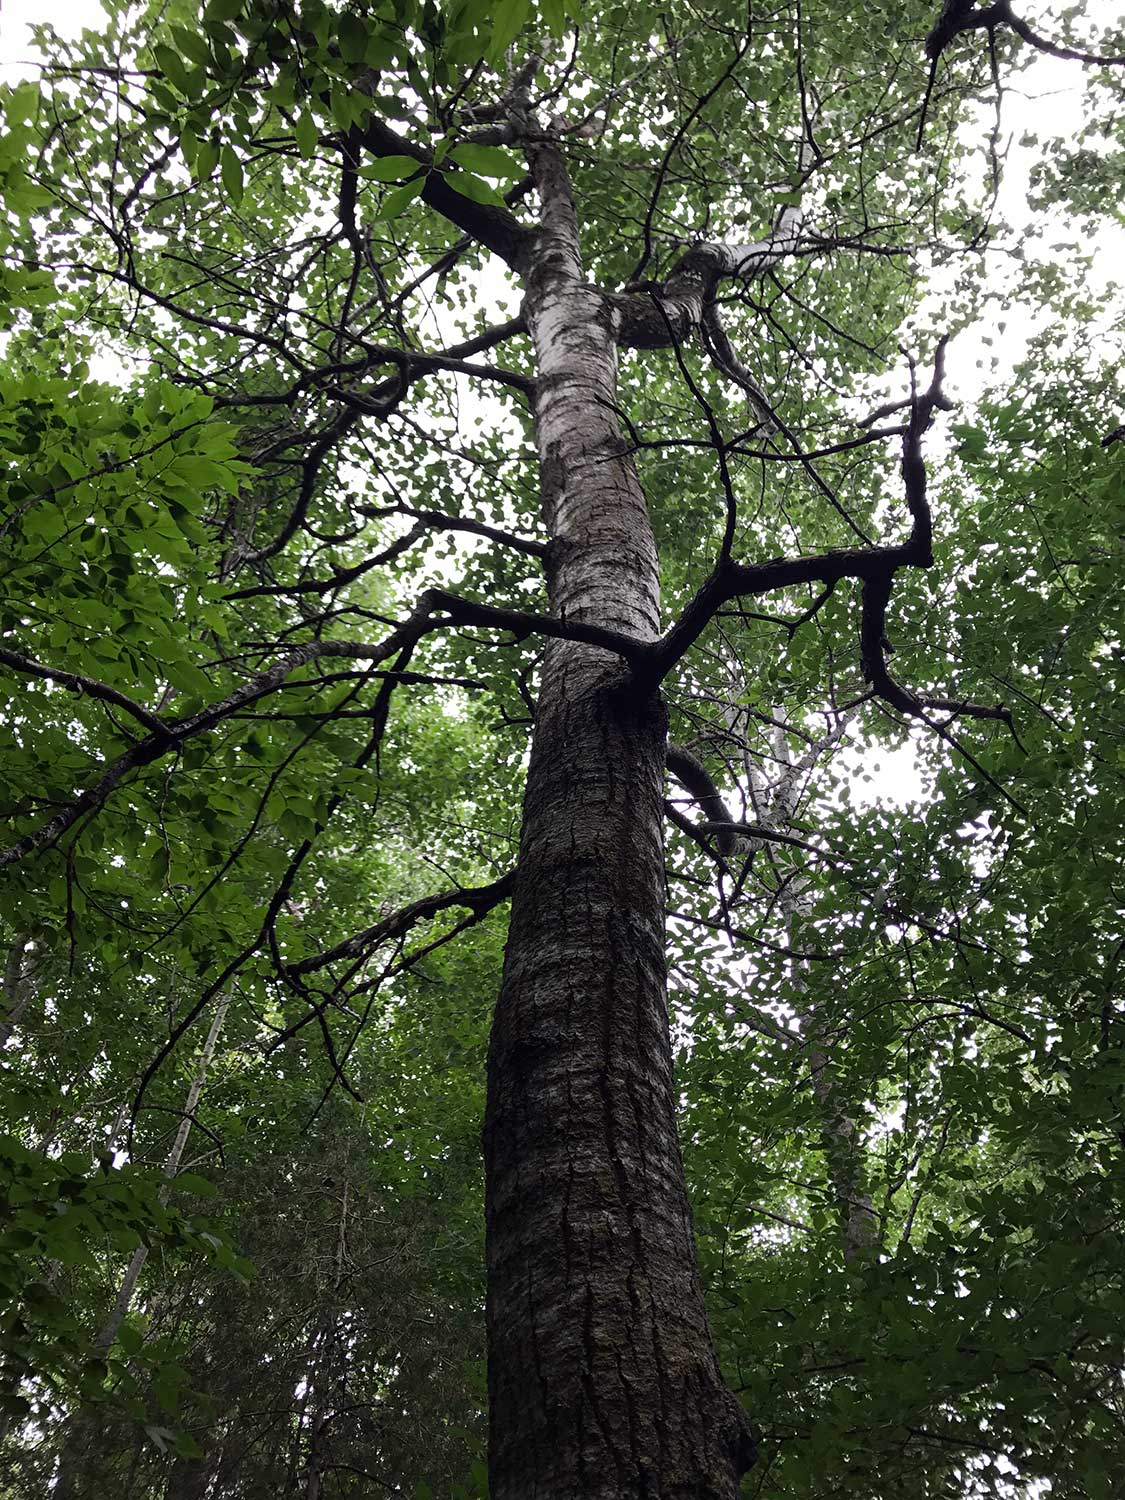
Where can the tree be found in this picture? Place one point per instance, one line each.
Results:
(308, 616)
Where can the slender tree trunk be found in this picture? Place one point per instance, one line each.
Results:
(190, 1478)
(324, 1367)
(82, 1425)
(315, 1465)
(19, 986)
(602, 1375)
(108, 1331)
(776, 807)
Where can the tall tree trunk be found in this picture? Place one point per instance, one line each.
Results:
(190, 1478)
(108, 1331)
(593, 1290)
(325, 1377)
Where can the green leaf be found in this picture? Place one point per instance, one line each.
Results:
(189, 679)
(352, 37)
(382, 49)
(189, 1182)
(206, 160)
(163, 1437)
(232, 173)
(473, 187)
(186, 1446)
(554, 13)
(390, 168)
(171, 65)
(486, 161)
(21, 104)
(509, 19)
(189, 146)
(342, 105)
(306, 135)
(399, 198)
(130, 1338)
(191, 44)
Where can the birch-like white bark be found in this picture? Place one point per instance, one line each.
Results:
(775, 807)
(108, 1331)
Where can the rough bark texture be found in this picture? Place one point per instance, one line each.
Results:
(602, 1376)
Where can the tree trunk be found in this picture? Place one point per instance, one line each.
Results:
(602, 1375)
(108, 1331)
(18, 988)
(82, 1425)
(776, 808)
(190, 1478)
(325, 1372)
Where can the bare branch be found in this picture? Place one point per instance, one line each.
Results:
(423, 620)
(84, 686)
(479, 899)
(439, 518)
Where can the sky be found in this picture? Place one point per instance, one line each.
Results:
(68, 17)
(1046, 102)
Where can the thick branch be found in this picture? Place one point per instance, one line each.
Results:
(732, 580)
(874, 567)
(171, 736)
(494, 227)
(674, 144)
(380, 400)
(771, 836)
(696, 780)
(445, 522)
(654, 314)
(521, 624)
(959, 16)
(341, 576)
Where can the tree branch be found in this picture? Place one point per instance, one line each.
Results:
(88, 686)
(479, 899)
(874, 567)
(696, 780)
(495, 228)
(960, 16)
(446, 522)
(423, 620)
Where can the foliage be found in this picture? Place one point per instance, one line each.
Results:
(259, 372)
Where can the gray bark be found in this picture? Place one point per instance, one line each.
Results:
(19, 986)
(108, 1331)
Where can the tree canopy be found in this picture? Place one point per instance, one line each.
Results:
(397, 395)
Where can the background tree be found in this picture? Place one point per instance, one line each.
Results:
(499, 394)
